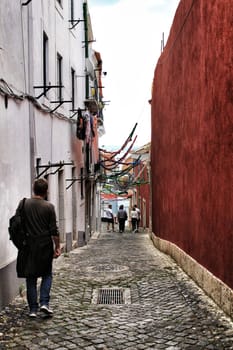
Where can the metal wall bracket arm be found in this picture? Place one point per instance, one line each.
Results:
(72, 182)
(89, 41)
(56, 171)
(73, 115)
(60, 103)
(46, 167)
(99, 87)
(75, 22)
(26, 3)
(46, 89)
(76, 111)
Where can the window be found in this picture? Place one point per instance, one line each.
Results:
(73, 88)
(45, 61)
(59, 77)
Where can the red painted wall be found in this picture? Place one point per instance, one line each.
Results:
(192, 135)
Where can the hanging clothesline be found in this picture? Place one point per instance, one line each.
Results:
(116, 162)
(129, 138)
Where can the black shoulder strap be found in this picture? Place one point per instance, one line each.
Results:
(22, 212)
(21, 205)
(24, 200)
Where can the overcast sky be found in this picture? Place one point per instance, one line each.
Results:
(128, 35)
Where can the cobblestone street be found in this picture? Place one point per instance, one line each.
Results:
(164, 309)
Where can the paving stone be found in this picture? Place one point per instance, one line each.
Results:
(167, 311)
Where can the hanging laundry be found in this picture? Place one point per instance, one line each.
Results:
(92, 125)
(95, 140)
(81, 126)
(87, 118)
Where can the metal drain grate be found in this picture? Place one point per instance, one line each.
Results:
(111, 296)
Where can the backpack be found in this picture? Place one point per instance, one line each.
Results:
(16, 227)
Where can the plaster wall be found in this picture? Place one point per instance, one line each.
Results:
(11, 44)
(28, 131)
(14, 169)
(191, 150)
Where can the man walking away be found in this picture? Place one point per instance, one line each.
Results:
(122, 217)
(138, 218)
(134, 217)
(42, 245)
(110, 218)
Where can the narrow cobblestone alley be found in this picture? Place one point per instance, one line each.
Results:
(166, 310)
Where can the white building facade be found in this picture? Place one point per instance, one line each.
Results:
(45, 60)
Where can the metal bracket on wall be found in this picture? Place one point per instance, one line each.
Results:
(99, 87)
(74, 114)
(76, 111)
(60, 103)
(46, 167)
(75, 22)
(88, 42)
(72, 182)
(26, 3)
(46, 89)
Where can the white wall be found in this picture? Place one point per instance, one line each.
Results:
(21, 56)
(14, 169)
(14, 125)
(11, 43)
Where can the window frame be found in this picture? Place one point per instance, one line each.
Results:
(59, 76)
(82, 183)
(73, 88)
(72, 17)
(45, 61)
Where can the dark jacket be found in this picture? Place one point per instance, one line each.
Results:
(35, 259)
(122, 214)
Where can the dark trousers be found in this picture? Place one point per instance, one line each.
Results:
(121, 225)
(134, 224)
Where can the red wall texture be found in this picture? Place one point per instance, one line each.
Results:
(192, 135)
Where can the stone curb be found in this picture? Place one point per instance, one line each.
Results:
(219, 292)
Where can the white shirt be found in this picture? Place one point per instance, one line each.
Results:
(109, 213)
(138, 213)
(134, 214)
